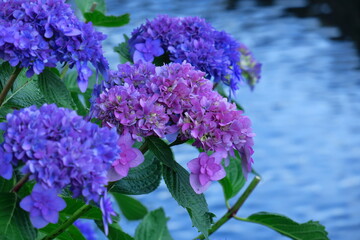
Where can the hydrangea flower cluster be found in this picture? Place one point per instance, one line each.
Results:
(189, 39)
(59, 149)
(174, 99)
(251, 69)
(35, 34)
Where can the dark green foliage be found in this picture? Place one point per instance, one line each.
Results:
(14, 222)
(234, 179)
(177, 181)
(24, 93)
(54, 89)
(153, 227)
(101, 20)
(306, 231)
(130, 207)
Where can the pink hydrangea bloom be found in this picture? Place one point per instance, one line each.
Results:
(129, 157)
(173, 101)
(205, 169)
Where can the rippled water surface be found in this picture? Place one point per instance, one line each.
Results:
(304, 113)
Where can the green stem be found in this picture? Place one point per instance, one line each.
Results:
(64, 71)
(19, 184)
(227, 204)
(234, 209)
(59, 230)
(9, 84)
(215, 85)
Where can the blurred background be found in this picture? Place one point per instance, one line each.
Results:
(304, 110)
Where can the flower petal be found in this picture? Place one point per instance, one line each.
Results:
(113, 176)
(138, 159)
(27, 203)
(194, 165)
(38, 221)
(195, 184)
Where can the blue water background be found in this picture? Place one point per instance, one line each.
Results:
(304, 113)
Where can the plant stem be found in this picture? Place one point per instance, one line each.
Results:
(64, 71)
(19, 184)
(9, 84)
(67, 223)
(234, 209)
(93, 7)
(215, 85)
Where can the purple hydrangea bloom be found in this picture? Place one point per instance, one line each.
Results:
(129, 157)
(86, 228)
(107, 211)
(148, 50)
(44, 206)
(205, 169)
(193, 40)
(173, 99)
(143, 100)
(35, 34)
(59, 149)
(216, 125)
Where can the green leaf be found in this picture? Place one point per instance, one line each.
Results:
(115, 232)
(25, 91)
(130, 207)
(306, 231)
(161, 60)
(153, 227)
(234, 179)
(7, 185)
(26, 189)
(14, 222)
(161, 150)
(142, 179)
(178, 184)
(54, 89)
(85, 5)
(4, 111)
(81, 100)
(177, 181)
(101, 20)
(123, 50)
(81, 109)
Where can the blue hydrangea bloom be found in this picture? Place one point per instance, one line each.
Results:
(60, 149)
(5, 163)
(44, 206)
(107, 211)
(193, 40)
(35, 34)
